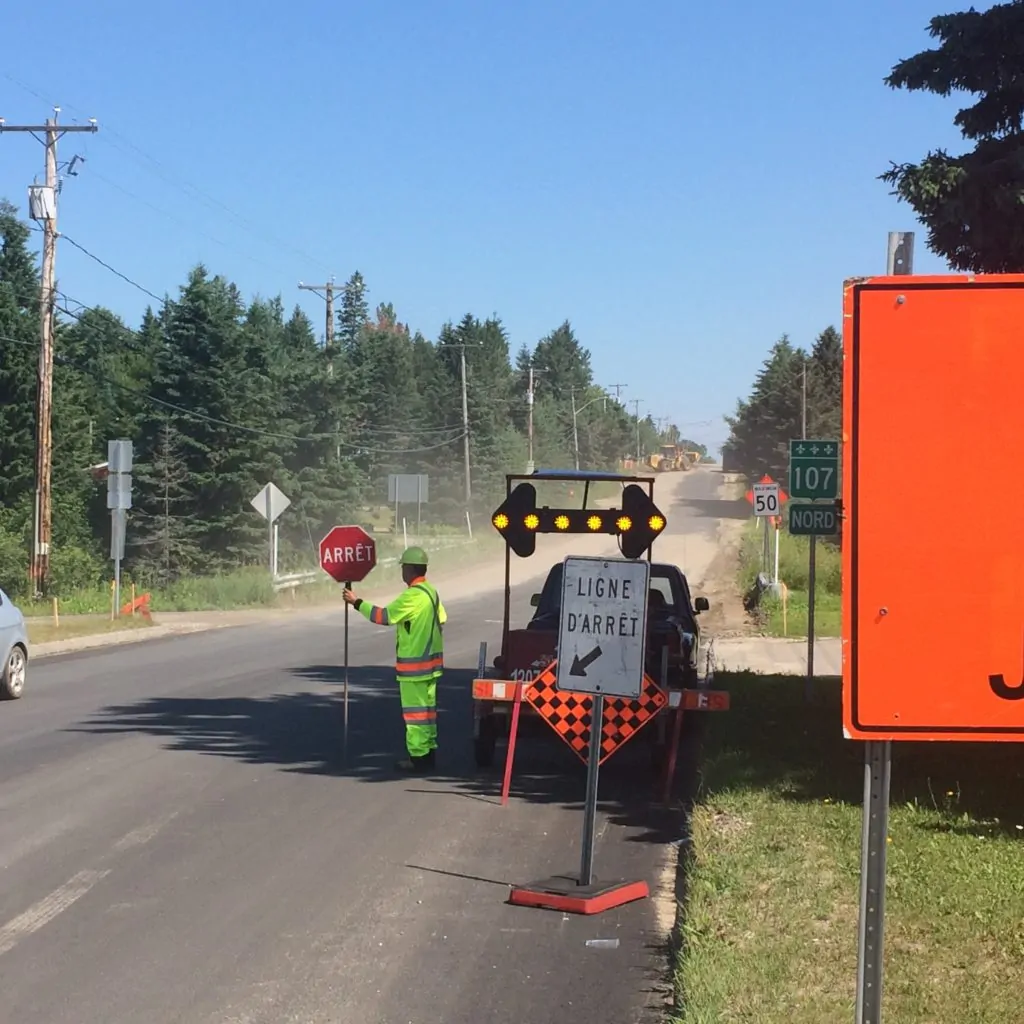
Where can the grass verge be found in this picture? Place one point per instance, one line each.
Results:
(769, 927)
(42, 631)
(251, 588)
(789, 618)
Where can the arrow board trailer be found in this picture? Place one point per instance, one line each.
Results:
(603, 626)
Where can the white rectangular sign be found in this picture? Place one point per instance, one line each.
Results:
(602, 626)
(766, 500)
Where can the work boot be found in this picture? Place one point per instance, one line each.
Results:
(416, 765)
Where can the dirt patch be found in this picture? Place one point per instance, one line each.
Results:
(727, 617)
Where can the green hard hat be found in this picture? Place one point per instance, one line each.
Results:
(414, 556)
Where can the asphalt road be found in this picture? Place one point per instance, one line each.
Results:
(185, 838)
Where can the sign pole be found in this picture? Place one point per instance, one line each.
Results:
(344, 741)
(775, 577)
(874, 833)
(590, 803)
(117, 585)
(811, 587)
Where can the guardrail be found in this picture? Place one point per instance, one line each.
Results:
(289, 581)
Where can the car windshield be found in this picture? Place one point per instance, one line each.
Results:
(665, 598)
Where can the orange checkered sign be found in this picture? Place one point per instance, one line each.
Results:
(569, 713)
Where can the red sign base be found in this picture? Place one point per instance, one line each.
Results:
(564, 893)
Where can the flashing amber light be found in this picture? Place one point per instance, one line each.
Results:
(624, 523)
(500, 521)
(594, 523)
(656, 523)
(531, 522)
(561, 522)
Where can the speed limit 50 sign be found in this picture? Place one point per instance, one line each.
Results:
(766, 499)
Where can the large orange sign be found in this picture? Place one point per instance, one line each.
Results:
(933, 495)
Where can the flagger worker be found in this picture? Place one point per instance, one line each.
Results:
(418, 617)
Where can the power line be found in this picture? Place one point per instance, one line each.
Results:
(113, 270)
(216, 421)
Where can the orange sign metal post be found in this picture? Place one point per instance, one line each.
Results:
(934, 509)
(933, 504)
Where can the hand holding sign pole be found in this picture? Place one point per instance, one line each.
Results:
(348, 555)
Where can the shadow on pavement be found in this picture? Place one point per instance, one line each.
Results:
(303, 732)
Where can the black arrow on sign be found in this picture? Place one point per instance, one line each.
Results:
(1002, 689)
(580, 665)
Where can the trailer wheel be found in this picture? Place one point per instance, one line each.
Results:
(483, 745)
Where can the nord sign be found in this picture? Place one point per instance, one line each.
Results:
(813, 520)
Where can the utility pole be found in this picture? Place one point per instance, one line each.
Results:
(43, 207)
(618, 389)
(329, 332)
(803, 414)
(461, 345)
(529, 420)
(575, 432)
(636, 407)
(465, 428)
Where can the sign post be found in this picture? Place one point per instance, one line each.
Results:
(601, 634)
(348, 555)
(119, 500)
(813, 476)
(271, 503)
(889, 695)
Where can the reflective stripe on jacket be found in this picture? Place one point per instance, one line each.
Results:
(418, 615)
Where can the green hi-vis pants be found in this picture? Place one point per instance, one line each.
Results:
(419, 709)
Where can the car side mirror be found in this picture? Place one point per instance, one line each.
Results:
(701, 605)
(535, 600)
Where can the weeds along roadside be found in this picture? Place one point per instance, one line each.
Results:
(768, 925)
(794, 565)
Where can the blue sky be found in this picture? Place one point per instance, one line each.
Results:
(683, 182)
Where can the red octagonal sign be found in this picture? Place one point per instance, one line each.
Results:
(348, 554)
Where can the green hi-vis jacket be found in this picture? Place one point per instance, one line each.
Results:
(418, 615)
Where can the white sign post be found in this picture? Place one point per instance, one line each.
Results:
(601, 636)
(270, 503)
(766, 499)
(119, 499)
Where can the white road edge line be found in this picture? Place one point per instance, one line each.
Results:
(48, 908)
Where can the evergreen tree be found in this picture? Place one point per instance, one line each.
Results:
(19, 356)
(162, 535)
(354, 314)
(970, 203)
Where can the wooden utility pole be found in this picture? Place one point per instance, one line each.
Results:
(465, 430)
(618, 389)
(43, 208)
(329, 331)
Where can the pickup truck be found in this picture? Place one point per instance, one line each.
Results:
(672, 627)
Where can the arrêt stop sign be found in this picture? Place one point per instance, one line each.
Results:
(348, 554)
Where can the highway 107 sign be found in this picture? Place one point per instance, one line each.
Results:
(814, 469)
(602, 626)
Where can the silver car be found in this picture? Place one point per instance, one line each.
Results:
(13, 650)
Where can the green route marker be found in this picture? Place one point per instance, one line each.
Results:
(814, 469)
(807, 520)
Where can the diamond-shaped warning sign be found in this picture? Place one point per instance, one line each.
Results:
(569, 713)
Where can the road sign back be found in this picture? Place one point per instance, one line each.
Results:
(348, 554)
(933, 595)
(603, 625)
